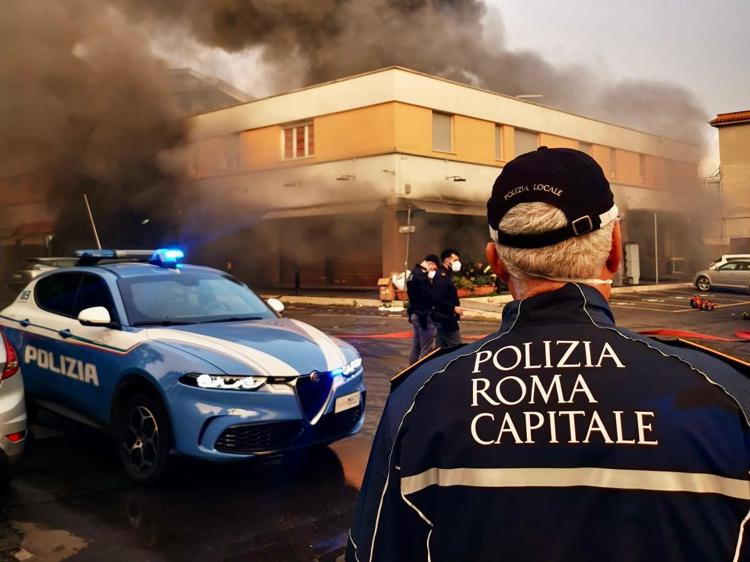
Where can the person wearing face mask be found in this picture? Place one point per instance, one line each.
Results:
(446, 308)
(419, 290)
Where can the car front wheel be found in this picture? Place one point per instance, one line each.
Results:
(703, 283)
(143, 438)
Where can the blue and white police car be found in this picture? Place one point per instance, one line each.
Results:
(171, 357)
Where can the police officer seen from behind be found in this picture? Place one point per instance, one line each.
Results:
(447, 309)
(561, 437)
(419, 290)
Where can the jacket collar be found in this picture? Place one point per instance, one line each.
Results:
(571, 304)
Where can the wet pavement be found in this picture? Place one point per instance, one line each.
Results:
(71, 501)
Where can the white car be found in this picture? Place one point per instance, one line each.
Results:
(12, 410)
(735, 274)
(32, 268)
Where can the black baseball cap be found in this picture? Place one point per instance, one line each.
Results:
(565, 178)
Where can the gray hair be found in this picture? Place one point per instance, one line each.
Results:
(580, 257)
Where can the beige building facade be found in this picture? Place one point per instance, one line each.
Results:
(734, 172)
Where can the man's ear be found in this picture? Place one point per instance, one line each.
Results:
(496, 262)
(615, 253)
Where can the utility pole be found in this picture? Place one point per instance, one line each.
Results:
(91, 220)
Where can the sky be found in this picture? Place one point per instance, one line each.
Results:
(701, 45)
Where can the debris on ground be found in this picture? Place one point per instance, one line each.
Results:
(701, 303)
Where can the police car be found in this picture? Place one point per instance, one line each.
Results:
(171, 357)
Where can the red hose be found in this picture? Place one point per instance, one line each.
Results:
(739, 336)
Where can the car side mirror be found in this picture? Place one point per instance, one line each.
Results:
(95, 316)
(276, 304)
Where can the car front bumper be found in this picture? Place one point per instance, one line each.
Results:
(226, 425)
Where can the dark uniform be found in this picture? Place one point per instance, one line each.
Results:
(560, 438)
(419, 290)
(445, 299)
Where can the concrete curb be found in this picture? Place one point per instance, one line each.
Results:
(324, 301)
(470, 314)
(465, 302)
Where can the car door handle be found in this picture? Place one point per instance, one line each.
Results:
(65, 333)
(25, 322)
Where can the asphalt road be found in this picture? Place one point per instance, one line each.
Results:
(70, 500)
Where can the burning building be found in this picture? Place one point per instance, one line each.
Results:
(322, 180)
(316, 180)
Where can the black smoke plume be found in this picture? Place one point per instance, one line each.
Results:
(451, 38)
(85, 106)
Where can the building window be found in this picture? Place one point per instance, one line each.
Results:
(612, 163)
(526, 141)
(298, 141)
(442, 132)
(642, 167)
(498, 142)
(585, 147)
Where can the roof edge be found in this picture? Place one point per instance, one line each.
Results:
(449, 81)
(731, 118)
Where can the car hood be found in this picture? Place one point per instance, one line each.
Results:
(277, 347)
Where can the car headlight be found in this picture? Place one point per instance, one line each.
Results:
(224, 382)
(349, 369)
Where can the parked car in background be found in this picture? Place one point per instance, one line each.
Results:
(32, 268)
(726, 258)
(734, 274)
(12, 410)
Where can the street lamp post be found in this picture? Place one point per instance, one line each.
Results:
(408, 239)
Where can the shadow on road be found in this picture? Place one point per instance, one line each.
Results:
(293, 508)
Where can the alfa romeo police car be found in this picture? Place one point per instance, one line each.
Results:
(172, 357)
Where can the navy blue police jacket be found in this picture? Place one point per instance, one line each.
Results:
(419, 289)
(560, 438)
(445, 299)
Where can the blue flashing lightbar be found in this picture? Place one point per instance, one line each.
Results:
(164, 257)
(167, 257)
(171, 254)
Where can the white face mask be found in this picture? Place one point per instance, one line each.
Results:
(431, 274)
(456, 266)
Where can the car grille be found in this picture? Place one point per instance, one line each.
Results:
(277, 436)
(313, 396)
(337, 424)
(258, 437)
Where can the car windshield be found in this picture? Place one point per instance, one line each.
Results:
(189, 298)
